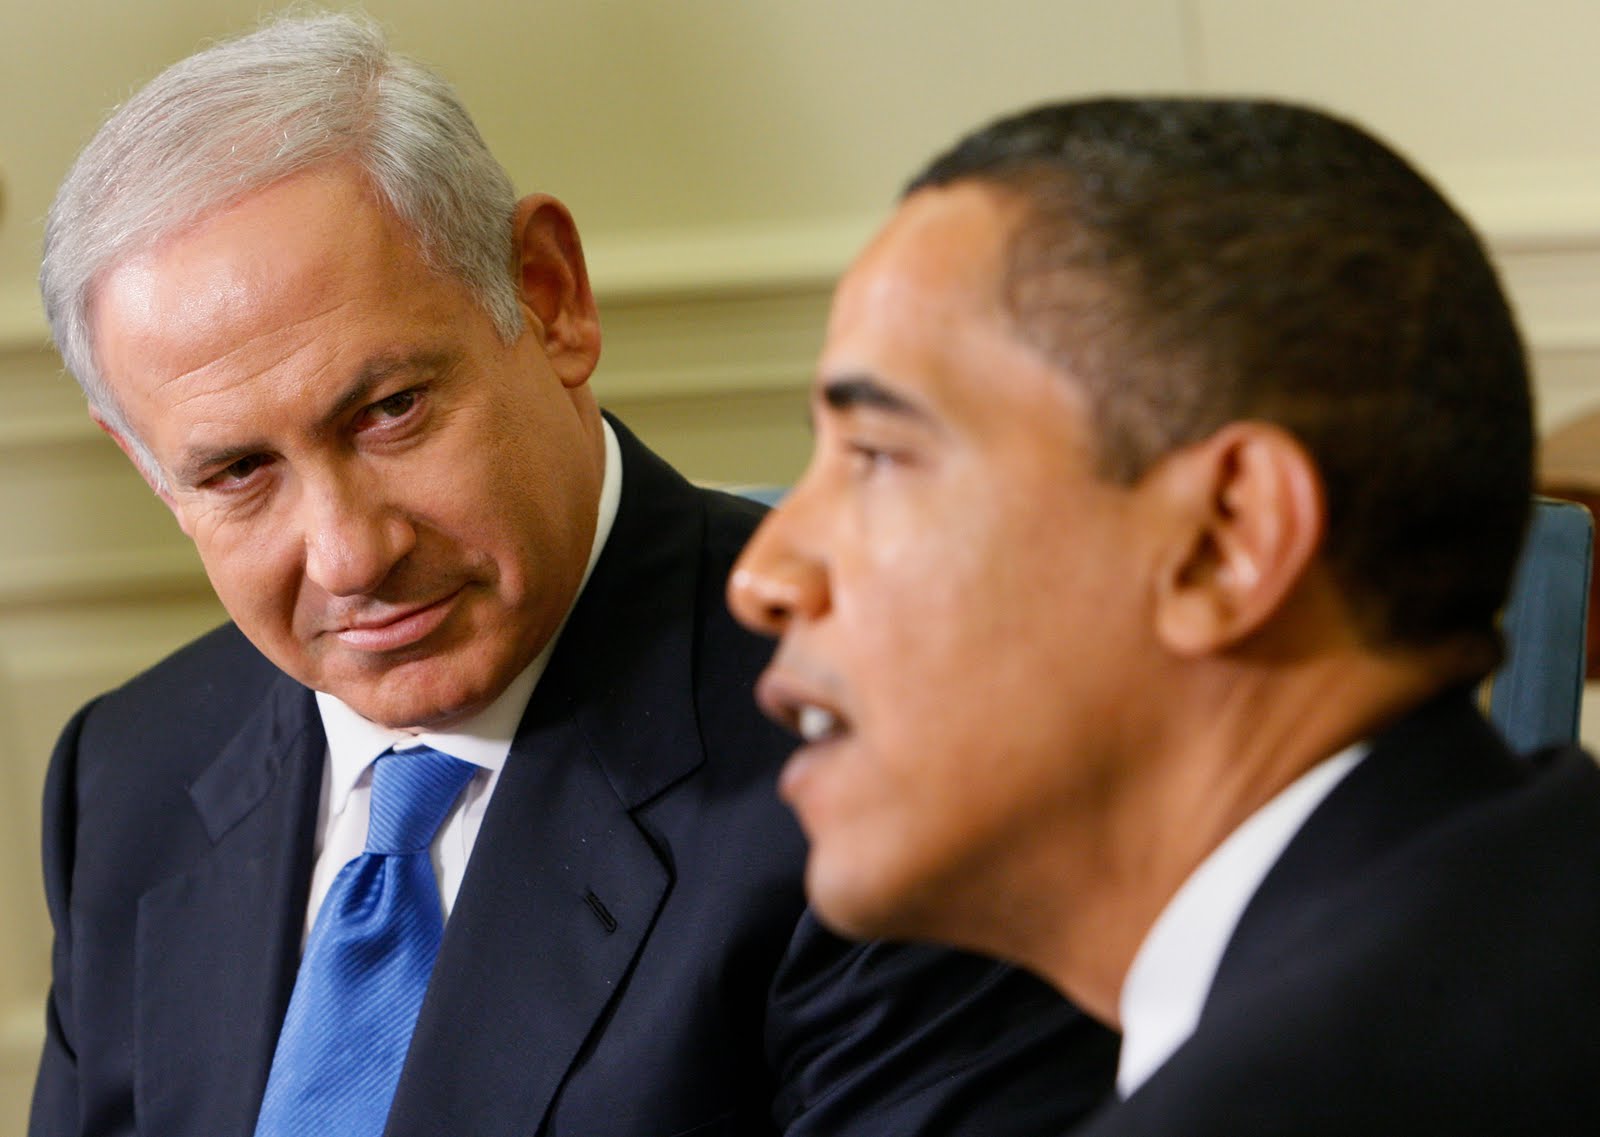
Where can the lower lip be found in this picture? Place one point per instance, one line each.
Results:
(799, 769)
(402, 633)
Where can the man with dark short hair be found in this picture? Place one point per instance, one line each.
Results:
(1172, 459)
(466, 823)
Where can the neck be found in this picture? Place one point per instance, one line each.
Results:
(1239, 733)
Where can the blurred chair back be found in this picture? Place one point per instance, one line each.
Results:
(1536, 695)
(765, 494)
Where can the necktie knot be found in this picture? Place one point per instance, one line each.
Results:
(412, 790)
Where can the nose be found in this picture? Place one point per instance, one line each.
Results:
(775, 582)
(353, 535)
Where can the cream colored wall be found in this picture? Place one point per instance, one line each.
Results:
(724, 158)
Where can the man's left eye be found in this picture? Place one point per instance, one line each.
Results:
(869, 459)
(395, 405)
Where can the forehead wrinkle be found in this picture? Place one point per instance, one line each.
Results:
(154, 319)
(196, 391)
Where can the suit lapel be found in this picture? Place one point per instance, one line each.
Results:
(1429, 764)
(559, 897)
(563, 886)
(1303, 1001)
(217, 947)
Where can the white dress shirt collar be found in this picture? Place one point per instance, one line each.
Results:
(1166, 987)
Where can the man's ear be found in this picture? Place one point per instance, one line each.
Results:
(1249, 517)
(554, 283)
(138, 457)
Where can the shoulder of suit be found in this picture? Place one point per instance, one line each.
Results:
(730, 519)
(221, 665)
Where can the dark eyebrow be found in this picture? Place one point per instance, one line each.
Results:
(851, 391)
(380, 369)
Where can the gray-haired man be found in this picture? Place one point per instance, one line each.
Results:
(304, 299)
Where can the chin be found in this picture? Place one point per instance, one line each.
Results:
(915, 900)
(856, 903)
(438, 711)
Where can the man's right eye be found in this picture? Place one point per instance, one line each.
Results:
(867, 458)
(238, 471)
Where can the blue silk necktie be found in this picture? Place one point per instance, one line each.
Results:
(366, 962)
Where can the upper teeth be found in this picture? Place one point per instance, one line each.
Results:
(816, 723)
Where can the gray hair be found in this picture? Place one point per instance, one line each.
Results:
(239, 116)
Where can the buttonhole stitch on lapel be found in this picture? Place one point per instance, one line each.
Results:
(607, 920)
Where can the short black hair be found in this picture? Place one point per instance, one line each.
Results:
(1193, 262)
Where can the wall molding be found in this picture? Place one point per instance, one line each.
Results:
(139, 573)
(691, 290)
(698, 269)
(725, 260)
(1530, 206)
(21, 1032)
(23, 328)
(21, 1041)
(47, 432)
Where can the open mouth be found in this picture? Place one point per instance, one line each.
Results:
(799, 707)
(816, 724)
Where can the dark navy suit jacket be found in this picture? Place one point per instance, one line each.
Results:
(629, 953)
(1424, 959)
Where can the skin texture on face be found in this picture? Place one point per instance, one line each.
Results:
(391, 502)
(1032, 701)
(959, 597)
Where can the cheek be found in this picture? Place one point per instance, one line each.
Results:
(255, 571)
(926, 624)
(505, 544)
(962, 675)
(498, 502)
